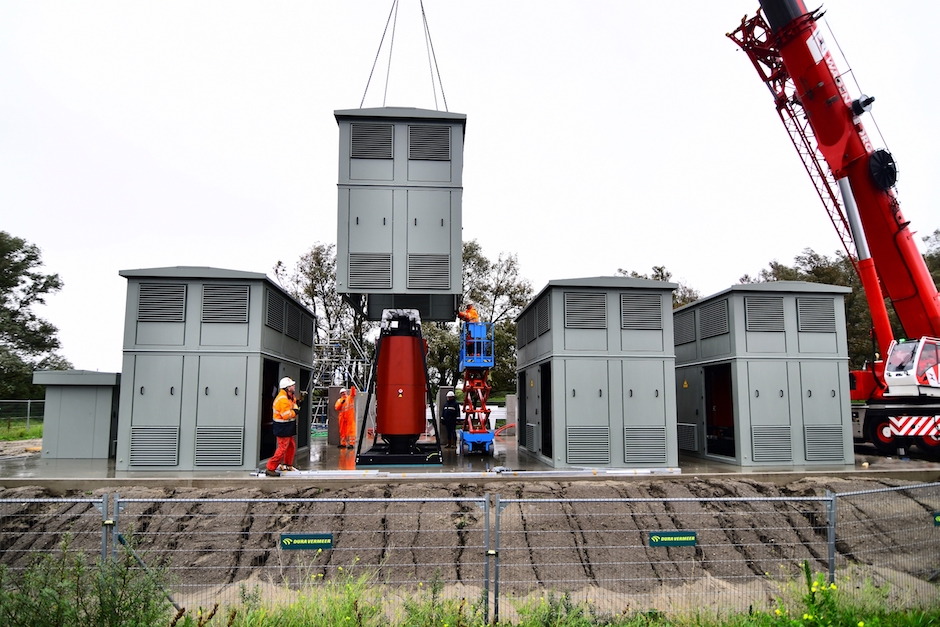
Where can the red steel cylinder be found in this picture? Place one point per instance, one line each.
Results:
(400, 389)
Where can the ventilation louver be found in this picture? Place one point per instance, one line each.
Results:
(588, 446)
(641, 312)
(429, 143)
(428, 272)
(585, 310)
(714, 319)
(520, 332)
(684, 328)
(816, 315)
(543, 315)
(219, 446)
(531, 327)
(293, 322)
(530, 438)
(306, 330)
(371, 141)
(274, 311)
(225, 303)
(160, 302)
(644, 445)
(687, 436)
(764, 313)
(824, 443)
(155, 446)
(771, 443)
(370, 271)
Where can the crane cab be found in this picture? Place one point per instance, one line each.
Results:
(912, 368)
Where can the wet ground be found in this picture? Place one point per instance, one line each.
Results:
(22, 463)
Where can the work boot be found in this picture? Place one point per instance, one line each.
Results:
(271, 473)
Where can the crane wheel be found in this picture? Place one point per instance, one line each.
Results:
(878, 432)
(929, 445)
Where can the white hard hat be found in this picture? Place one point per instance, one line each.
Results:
(450, 394)
(286, 382)
(342, 391)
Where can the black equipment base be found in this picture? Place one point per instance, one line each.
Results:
(381, 455)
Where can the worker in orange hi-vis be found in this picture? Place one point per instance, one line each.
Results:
(470, 314)
(346, 406)
(285, 428)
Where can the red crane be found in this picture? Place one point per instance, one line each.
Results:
(901, 393)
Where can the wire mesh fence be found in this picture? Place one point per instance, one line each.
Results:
(890, 535)
(21, 415)
(30, 527)
(656, 554)
(226, 550)
(615, 554)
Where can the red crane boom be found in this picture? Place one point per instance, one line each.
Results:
(794, 61)
(818, 89)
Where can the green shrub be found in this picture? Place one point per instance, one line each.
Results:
(63, 589)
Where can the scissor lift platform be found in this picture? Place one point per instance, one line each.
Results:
(476, 360)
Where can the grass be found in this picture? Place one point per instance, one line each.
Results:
(15, 429)
(357, 600)
(63, 589)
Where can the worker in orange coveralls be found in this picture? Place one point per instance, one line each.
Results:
(285, 428)
(346, 406)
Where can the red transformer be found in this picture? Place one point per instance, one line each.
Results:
(898, 399)
(400, 387)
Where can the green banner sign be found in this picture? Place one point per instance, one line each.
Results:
(673, 538)
(936, 519)
(306, 541)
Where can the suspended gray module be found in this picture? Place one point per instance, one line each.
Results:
(399, 211)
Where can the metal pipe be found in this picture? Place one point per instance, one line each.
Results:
(867, 271)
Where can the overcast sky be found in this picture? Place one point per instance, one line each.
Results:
(600, 135)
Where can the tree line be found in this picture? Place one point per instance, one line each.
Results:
(27, 342)
(495, 286)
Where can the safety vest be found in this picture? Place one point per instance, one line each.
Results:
(469, 315)
(284, 408)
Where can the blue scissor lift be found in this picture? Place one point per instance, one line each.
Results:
(476, 360)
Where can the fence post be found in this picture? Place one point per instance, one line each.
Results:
(831, 533)
(486, 563)
(115, 534)
(105, 525)
(495, 553)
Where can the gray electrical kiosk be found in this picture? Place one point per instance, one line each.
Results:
(81, 413)
(204, 350)
(762, 376)
(595, 371)
(399, 244)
